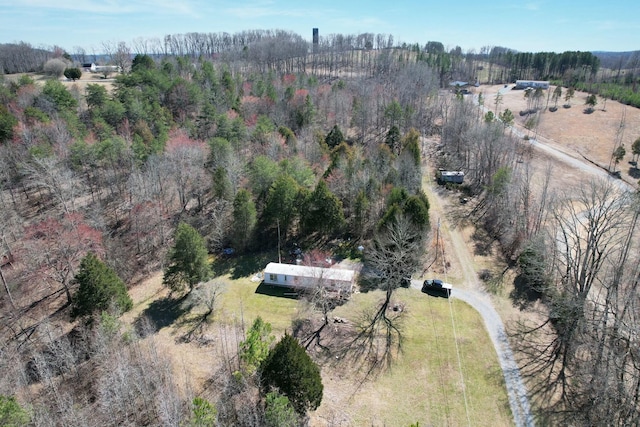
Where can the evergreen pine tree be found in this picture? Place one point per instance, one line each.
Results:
(334, 137)
(188, 260)
(99, 289)
(289, 368)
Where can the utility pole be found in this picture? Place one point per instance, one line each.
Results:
(279, 257)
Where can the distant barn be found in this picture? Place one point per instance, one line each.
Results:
(534, 84)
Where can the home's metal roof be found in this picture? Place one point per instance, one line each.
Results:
(452, 173)
(340, 274)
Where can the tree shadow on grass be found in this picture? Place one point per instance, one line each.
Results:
(522, 294)
(160, 313)
(277, 291)
(238, 266)
(482, 242)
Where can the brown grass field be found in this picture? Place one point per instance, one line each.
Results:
(584, 136)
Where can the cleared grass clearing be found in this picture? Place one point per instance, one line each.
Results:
(240, 301)
(425, 384)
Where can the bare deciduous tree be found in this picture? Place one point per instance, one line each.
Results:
(395, 254)
(567, 354)
(204, 299)
(55, 67)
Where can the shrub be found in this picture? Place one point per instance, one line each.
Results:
(7, 123)
(55, 67)
(278, 411)
(57, 93)
(11, 413)
(72, 73)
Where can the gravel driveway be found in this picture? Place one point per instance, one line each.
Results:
(513, 381)
(515, 387)
(472, 293)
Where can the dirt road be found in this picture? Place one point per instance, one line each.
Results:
(471, 292)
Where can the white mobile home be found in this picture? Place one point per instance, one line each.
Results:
(304, 277)
(105, 69)
(455, 177)
(534, 84)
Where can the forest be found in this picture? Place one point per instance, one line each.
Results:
(213, 141)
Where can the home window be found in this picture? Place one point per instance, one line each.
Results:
(273, 277)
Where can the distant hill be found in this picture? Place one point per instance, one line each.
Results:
(621, 60)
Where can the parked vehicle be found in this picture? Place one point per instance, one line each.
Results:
(436, 286)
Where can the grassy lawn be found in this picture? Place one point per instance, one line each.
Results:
(425, 383)
(244, 299)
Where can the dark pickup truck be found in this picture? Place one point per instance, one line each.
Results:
(437, 286)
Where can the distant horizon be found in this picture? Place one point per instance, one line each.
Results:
(448, 47)
(529, 26)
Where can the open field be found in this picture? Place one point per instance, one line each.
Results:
(426, 384)
(584, 136)
(80, 84)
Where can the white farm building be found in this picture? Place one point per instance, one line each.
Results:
(534, 84)
(304, 277)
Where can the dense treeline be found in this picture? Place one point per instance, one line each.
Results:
(287, 52)
(568, 66)
(22, 58)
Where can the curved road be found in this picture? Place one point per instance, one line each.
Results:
(560, 155)
(516, 390)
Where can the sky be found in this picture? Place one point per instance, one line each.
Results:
(529, 26)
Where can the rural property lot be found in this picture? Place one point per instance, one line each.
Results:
(588, 139)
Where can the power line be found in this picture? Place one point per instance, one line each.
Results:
(455, 338)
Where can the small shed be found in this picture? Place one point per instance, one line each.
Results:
(454, 177)
(305, 277)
